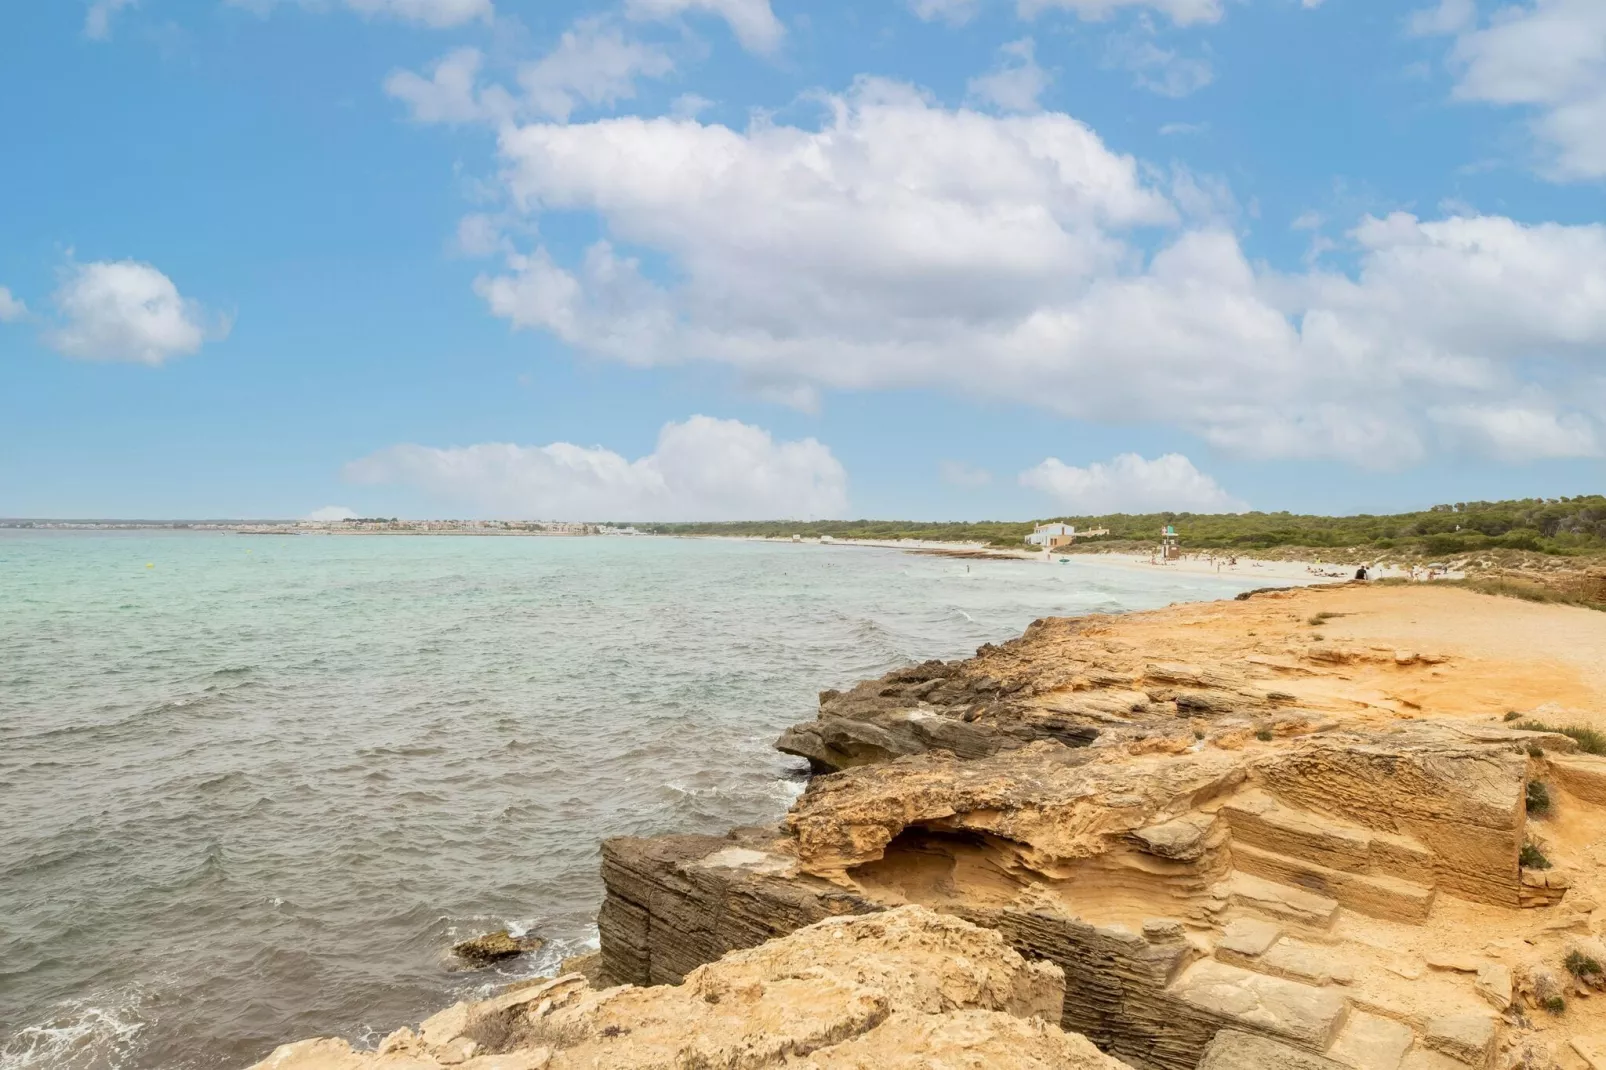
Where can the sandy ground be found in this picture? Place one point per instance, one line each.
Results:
(1312, 571)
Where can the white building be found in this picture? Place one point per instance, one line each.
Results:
(1052, 536)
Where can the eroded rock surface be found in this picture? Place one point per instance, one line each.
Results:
(1295, 822)
(906, 988)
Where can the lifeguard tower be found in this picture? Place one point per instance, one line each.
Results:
(1170, 543)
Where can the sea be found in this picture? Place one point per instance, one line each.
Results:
(252, 788)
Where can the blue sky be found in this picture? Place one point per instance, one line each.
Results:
(726, 258)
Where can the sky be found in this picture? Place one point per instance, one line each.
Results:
(721, 259)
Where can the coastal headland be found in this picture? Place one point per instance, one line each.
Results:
(1350, 826)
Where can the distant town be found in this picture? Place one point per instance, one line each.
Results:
(353, 526)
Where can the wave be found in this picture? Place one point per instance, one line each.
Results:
(80, 1035)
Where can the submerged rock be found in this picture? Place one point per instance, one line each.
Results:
(494, 947)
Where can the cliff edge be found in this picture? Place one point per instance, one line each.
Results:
(900, 990)
(1339, 827)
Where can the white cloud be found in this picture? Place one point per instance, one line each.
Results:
(1131, 484)
(593, 64)
(479, 235)
(127, 311)
(953, 12)
(1548, 56)
(451, 94)
(1518, 433)
(1172, 129)
(961, 474)
(1450, 16)
(1016, 83)
(1182, 12)
(689, 106)
(437, 14)
(98, 21)
(12, 308)
(898, 244)
(703, 469)
(752, 21)
(330, 513)
(1159, 70)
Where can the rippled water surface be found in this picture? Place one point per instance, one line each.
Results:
(251, 788)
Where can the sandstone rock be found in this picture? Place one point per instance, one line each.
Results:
(1232, 1050)
(902, 989)
(1247, 938)
(1494, 985)
(1309, 1016)
(588, 965)
(1372, 1042)
(1590, 1049)
(1468, 1037)
(494, 947)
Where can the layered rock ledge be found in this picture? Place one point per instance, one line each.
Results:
(1287, 831)
(901, 990)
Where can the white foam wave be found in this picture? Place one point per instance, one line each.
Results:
(82, 1035)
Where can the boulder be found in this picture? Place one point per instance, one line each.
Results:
(494, 947)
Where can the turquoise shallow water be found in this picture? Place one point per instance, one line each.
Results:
(253, 792)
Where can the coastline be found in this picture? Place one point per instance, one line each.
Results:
(1182, 811)
(1301, 569)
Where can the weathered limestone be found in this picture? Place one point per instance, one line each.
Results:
(1307, 1016)
(1233, 1050)
(1371, 1042)
(677, 902)
(903, 989)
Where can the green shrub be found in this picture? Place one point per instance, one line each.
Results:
(1538, 798)
(1264, 735)
(1531, 857)
(1582, 966)
(1589, 740)
(1512, 715)
(1553, 1004)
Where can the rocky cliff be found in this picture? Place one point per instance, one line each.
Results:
(1347, 828)
(902, 990)
(1325, 828)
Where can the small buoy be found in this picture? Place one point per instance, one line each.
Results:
(149, 565)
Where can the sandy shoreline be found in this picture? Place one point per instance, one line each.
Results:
(1202, 563)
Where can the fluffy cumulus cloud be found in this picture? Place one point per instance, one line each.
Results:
(593, 64)
(124, 310)
(12, 308)
(1130, 484)
(702, 469)
(450, 92)
(1016, 83)
(437, 14)
(1548, 56)
(752, 21)
(897, 243)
